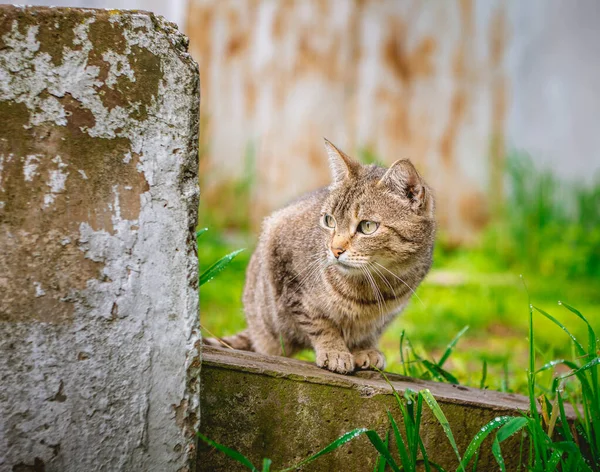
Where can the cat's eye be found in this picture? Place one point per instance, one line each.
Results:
(367, 227)
(329, 221)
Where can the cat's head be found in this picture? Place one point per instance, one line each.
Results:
(375, 215)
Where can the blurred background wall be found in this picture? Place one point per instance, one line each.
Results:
(454, 85)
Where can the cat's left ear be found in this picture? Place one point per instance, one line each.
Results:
(342, 166)
(403, 178)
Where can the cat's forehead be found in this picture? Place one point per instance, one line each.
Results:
(361, 199)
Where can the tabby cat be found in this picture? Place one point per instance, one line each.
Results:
(334, 268)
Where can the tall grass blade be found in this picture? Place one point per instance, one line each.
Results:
(451, 346)
(581, 351)
(236, 456)
(591, 334)
(439, 373)
(483, 433)
(381, 462)
(400, 445)
(200, 232)
(217, 267)
(266, 466)
(593, 363)
(498, 454)
(416, 439)
(379, 445)
(553, 462)
(439, 414)
(402, 352)
(483, 375)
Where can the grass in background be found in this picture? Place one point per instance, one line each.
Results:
(549, 231)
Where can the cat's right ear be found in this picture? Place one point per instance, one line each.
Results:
(342, 166)
(404, 179)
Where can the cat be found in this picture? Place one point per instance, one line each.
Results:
(334, 268)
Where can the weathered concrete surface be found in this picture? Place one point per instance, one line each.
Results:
(287, 410)
(98, 197)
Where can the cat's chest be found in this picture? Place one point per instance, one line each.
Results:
(359, 319)
(359, 303)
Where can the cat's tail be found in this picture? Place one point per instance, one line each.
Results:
(239, 341)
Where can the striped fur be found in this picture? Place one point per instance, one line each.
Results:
(299, 295)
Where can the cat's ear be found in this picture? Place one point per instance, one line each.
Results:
(341, 165)
(403, 178)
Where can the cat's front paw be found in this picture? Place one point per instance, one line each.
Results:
(341, 362)
(368, 359)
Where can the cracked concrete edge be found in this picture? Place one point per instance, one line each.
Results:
(367, 382)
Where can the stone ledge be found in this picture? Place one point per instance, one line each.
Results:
(287, 409)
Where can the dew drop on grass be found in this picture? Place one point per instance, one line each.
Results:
(559, 302)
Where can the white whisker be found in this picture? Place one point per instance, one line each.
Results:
(312, 260)
(310, 271)
(409, 287)
(385, 280)
(376, 291)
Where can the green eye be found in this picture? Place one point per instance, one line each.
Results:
(329, 221)
(367, 227)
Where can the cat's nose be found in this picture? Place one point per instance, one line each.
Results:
(337, 251)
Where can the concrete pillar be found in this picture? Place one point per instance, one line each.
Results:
(99, 336)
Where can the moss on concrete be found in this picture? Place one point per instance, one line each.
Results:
(287, 410)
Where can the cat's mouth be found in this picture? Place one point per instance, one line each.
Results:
(347, 268)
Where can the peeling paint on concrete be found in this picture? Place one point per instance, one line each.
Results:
(98, 165)
(56, 180)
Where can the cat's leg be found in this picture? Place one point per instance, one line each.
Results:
(367, 356)
(331, 351)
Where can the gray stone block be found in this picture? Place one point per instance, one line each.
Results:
(98, 270)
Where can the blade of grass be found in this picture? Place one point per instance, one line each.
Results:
(381, 462)
(413, 445)
(451, 346)
(483, 375)
(266, 466)
(439, 373)
(236, 456)
(400, 445)
(217, 267)
(593, 363)
(379, 445)
(349, 436)
(483, 433)
(498, 454)
(402, 352)
(200, 232)
(592, 342)
(439, 414)
(579, 347)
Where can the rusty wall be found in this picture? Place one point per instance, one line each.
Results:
(415, 79)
